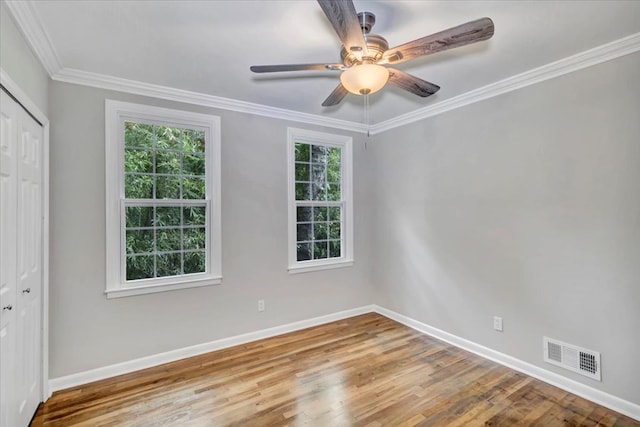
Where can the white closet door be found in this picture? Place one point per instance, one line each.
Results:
(8, 259)
(29, 292)
(21, 284)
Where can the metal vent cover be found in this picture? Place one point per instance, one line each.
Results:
(571, 357)
(554, 352)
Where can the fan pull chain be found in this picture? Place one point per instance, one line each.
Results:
(366, 113)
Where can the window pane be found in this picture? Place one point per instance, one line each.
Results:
(138, 160)
(303, 232)
(194, 215)
(303, 251)
(165, 156)
(193, 140)
(169, 138)
(334, 213)
(140, 267)
(333, 173)
(168, 162)
(169, 264)
(302, 152)
(320, 231)
(140, 241)
(168, 215)
(319, 154)
(193, 188)
(302, 191)
(335, 155)
(334, 249)
(334, 230)
(194, 238)
(138, 186)
(193, 164)
(333, 191)
(167, 187)
(169, 239)
(320, 250)
(139, 216)
(303, 213)
(195, 262)
(319, 174)
(302, 172)
(138, 135)
(188, 136)
(320, 213)
(318, 192)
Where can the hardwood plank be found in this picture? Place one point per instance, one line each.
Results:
(363, 371)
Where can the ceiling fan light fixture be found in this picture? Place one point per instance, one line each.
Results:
(364, 79)
(364, 54)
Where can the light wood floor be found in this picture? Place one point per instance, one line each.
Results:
(363, 371)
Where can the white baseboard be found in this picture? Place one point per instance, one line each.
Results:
(607, 400)
(85, 377)
(617, 404)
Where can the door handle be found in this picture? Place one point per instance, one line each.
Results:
(7, 307)
(26, 291)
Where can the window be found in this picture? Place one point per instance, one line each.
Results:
(320, 205)
(163, 199)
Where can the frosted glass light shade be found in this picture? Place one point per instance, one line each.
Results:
(364, 79)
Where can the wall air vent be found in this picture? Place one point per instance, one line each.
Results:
(576, 359)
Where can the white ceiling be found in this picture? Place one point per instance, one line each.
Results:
(208, 46)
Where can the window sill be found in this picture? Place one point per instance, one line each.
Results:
(154, 288)
(317, 267)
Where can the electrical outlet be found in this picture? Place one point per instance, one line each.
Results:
(260, 305)
(497, 323)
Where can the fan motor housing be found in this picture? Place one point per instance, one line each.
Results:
(376, 46)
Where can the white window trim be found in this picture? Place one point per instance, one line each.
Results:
(116, 113)
(345, 143)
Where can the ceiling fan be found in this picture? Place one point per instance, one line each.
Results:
(365, 56)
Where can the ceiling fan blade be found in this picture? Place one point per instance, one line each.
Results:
(343, 18)
(471, 32)
(412, 83)
(294, 67)
(336, 96)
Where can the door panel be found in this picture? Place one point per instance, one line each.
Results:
(21, 280)
(30, 274)
(8, 258)
(8, 204)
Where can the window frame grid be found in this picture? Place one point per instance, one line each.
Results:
(168, 202)
(116, 114)
(345, 203)
(320, 203)
(125, 203)
(154, 150)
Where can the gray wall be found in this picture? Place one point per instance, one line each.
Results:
(19, 62)
(526, 206)
(88, 331)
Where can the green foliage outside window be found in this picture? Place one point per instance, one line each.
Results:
(168, 164)
(317, 180)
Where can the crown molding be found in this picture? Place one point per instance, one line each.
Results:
(30, 24)
(102, 81)
(588, 58)
(567, 65)
(27, 19)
